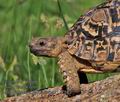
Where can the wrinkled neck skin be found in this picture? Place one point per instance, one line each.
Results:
(60, 46)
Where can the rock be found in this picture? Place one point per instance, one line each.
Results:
(107, 90)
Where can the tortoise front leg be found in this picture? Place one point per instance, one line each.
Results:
(70, 75)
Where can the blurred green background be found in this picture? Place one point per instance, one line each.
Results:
(20, 20)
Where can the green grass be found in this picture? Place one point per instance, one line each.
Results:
(19, 21)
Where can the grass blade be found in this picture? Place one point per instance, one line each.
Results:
(61, 14)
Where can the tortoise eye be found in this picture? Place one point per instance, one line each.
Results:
(42, 43)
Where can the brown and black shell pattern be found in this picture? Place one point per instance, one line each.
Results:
(96, 35)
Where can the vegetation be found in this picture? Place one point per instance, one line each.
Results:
(20, 20)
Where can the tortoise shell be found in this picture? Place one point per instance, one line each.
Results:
(96, 35)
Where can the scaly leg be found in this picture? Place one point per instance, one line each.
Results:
(70, 75)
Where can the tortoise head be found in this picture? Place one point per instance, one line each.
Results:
(50, 46)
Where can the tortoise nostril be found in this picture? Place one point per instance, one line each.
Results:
(31, 45)
(42, 43)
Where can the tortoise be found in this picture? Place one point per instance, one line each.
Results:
(91, 45)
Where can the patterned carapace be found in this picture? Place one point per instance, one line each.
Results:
(96, 35)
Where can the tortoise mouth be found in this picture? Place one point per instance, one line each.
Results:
(38, 52)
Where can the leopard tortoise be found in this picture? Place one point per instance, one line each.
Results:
(91, 45)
